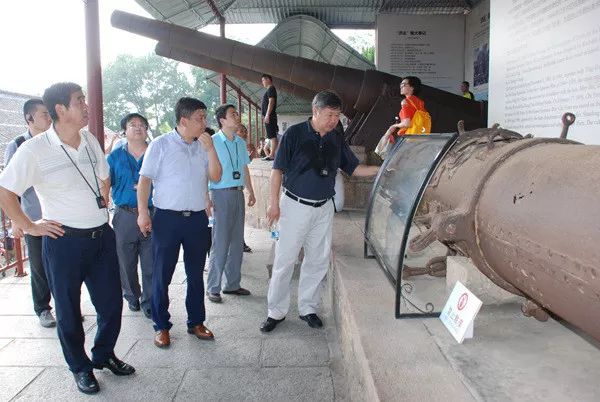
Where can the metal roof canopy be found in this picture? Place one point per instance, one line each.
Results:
(333, 13)
(306, 37)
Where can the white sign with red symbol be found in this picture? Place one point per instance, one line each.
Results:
(459, 312)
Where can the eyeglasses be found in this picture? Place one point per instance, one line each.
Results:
(141, 126)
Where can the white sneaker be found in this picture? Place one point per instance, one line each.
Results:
(47, 319)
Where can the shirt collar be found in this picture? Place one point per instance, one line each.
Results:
(315, 132)
(222, 135)
(54, 139)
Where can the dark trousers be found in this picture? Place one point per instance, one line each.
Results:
(40, 291)
(70, 261)
(131, 245)
(170, 231)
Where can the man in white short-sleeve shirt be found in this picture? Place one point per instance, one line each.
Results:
(67, 169)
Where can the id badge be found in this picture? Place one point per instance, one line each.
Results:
(101, 202)
(236, 175)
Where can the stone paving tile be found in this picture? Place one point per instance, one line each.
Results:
(249, 327)
(295, 352)
(267, 384)
(57, 384)
(188, 352)
(28, 326)
(13, 379)
(47, 352)
(235, 357)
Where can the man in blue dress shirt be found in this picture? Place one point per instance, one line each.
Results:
(178, 165)
(227, 196)
(125, 162)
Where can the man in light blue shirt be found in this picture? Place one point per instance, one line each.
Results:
(228, 198)
(178, 165)
(38, 120)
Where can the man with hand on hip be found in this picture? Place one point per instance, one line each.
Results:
(178, 165)
(67, 168)
(306, 163)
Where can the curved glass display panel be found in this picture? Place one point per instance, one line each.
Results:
(398, 188)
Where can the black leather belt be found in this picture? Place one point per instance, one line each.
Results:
(301, 201)
(133, 210)
(237, 188)
(92, 233)
(182, 213)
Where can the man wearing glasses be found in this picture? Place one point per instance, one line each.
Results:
(125, 163)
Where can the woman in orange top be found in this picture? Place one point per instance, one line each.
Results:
(410, 88)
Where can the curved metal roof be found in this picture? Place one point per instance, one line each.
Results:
(307, 37)
(334, 13)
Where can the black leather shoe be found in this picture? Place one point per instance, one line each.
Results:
(116, 366)
(134, 306)
(148, 313)
(270, 324)
(86, 382)
(313, 320)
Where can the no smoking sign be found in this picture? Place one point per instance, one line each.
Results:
(459, 312)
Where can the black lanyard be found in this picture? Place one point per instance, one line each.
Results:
(237, 155)
(82, 176)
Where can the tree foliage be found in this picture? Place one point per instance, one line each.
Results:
(149, 85)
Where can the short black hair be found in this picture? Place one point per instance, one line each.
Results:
(221, 113)
(209, 130)
(29, 108)
(466, 83)
(415, 83)
(132, 116)
(267, 76)
(59, 94)
(185, 107)
(327, 99)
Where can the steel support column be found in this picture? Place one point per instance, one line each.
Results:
(94, 70)
(249, 120)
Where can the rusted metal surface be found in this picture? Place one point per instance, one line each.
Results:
(162, 49)
(360, 90)
(525, 210)
(567, 120)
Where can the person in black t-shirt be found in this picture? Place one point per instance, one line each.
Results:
(269, 112)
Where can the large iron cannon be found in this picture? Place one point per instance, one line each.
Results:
(526, 211)
(371, 98)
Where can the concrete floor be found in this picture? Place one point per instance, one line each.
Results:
(294, 362)
(510, 358)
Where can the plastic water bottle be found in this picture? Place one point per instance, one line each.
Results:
(275, 232)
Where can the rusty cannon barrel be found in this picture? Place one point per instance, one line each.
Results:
(370, 97)
(527, 213)
(185, 56)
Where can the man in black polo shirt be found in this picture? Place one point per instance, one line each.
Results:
(307, 162)
(269, 112)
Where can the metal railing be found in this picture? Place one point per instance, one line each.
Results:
(13, 252)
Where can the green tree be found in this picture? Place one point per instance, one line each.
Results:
(149, 85)
(368, 53)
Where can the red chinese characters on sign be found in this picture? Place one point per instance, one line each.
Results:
(462, 301)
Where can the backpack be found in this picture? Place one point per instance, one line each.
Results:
(420, 122)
